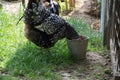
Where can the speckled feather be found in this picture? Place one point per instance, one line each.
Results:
(44, 28)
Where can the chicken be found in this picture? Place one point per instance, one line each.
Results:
(45, 28)
(52, 5)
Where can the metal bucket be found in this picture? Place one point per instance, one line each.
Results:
(78, 47)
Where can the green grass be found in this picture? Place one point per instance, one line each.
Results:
(21, 58)
(8, 78)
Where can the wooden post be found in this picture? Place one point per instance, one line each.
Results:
(103, 11)
(72, 3)
(105, 28)
(115, 38)
(66, 4)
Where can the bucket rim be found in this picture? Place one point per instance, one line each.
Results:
(85, 38)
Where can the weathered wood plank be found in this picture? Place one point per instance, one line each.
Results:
(115, 38)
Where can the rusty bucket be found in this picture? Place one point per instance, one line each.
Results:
(78, 47)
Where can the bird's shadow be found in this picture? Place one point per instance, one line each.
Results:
(30, 58)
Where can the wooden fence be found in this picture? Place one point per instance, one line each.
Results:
(111, 33)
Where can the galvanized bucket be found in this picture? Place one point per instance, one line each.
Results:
(78, 47)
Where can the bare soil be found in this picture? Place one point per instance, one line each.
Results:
(94, 67)
(11, 7)
(88, 11)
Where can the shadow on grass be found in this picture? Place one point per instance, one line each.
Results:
(30, 60)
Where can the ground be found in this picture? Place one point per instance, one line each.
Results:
(83, 6)
(96, 66)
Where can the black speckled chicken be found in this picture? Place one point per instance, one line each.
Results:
(44, 28)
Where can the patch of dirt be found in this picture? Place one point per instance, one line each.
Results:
(95, 67)
(88, 11)
(92, 8)
(12, 7)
